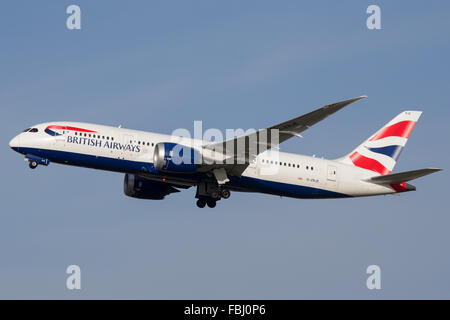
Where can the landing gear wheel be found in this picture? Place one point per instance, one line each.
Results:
(215, 195)
(33, 164)
(201, 203)
(211, 203)
(225, 193)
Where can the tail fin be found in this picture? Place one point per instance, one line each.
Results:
(380, 152)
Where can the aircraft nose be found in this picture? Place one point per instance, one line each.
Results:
(15, 143)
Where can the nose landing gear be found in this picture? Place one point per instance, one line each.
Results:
(32, 164)
(34, 161)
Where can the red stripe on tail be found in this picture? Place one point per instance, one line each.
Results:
(370, 164)
(401, 129)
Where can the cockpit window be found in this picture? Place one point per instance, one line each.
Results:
(26, 130)
(33, 130)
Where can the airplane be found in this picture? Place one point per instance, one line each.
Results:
(155, 165)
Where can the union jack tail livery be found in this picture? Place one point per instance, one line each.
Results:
(380, 152)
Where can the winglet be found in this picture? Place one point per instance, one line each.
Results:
(359, 98)
(342, 104)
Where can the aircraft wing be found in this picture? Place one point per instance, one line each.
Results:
(295, 126)
(264, 138)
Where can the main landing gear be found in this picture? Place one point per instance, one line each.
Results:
(225, 193)
(209, 192)
(201, 203)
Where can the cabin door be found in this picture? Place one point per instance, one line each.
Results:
(332, 176)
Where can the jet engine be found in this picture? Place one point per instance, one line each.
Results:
(141, 188)
(175, 157)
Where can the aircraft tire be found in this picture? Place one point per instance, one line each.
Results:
(201, 203)
(225, 193)
(211, 203)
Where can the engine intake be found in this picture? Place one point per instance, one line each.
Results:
(175, 157)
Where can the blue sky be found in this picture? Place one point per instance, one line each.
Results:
(158, 66)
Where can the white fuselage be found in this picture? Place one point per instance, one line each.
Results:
(131, 151)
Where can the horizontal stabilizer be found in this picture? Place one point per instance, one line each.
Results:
(401, 177)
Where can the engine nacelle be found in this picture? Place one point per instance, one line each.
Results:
(175, 157)
(141, 188)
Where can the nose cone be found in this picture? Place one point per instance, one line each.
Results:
(15, 143)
